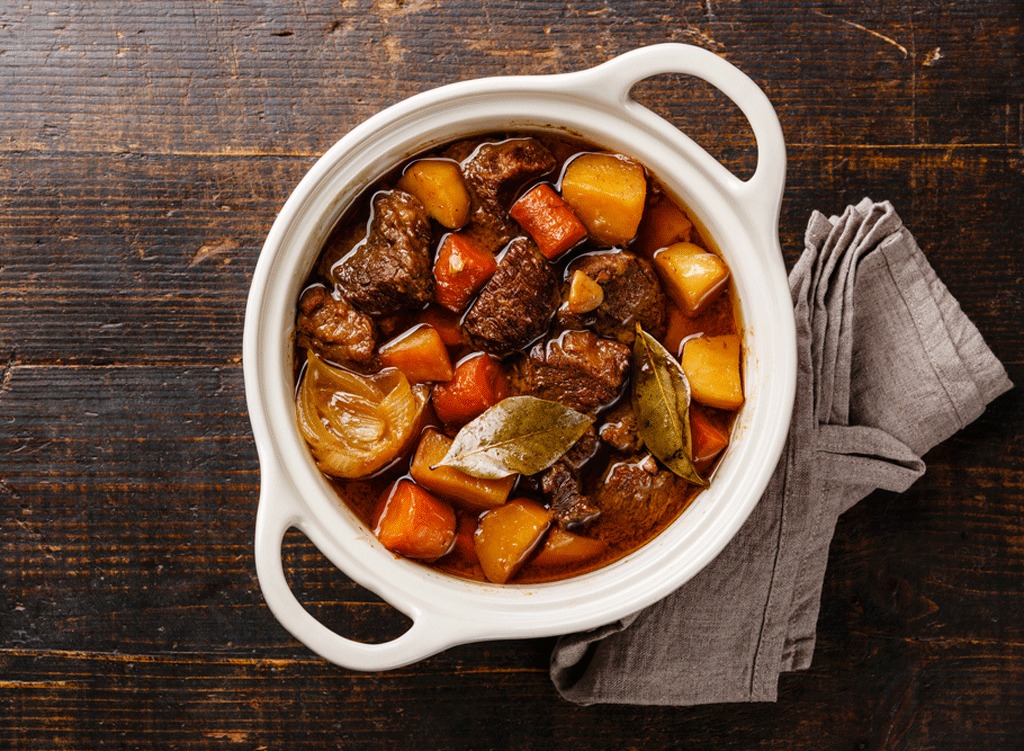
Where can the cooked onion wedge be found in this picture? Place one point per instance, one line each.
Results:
(355, 424)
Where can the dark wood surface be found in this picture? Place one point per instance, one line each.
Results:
(145, 148)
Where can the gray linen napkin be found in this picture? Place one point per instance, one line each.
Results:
(888, 366)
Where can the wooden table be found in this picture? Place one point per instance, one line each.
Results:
(145, 148)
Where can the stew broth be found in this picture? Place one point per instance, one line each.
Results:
(622, 496)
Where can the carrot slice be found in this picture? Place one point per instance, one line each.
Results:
(419, 353)
(708, 438)
(550, 221)
(461, 559)
(446, 323)
(412, 522)
(477, 384)
(464, 547)
(663, 224)
(460, 270)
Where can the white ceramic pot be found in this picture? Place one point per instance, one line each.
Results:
(741, 216)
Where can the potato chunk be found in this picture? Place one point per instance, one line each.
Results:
(563, 548)
(464, 490)
(506, 535)
(584, 294)
(439, 185)
(712, 366)
(692, 276)
(607, 193)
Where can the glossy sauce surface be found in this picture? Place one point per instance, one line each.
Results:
(617, 531)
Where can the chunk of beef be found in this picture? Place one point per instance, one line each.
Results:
(632, 294)
(335, 330)
(516, 304)
(569, 505)
(495, 172)
(561, 483)
(620, 430)
(578, 369)
(390, 269)
(634, 496)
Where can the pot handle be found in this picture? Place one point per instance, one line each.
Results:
(762, 193)
(277, 513)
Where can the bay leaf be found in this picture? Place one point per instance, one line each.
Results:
(521, 434)
(661, 400)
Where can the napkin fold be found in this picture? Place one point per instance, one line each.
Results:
(888, 367)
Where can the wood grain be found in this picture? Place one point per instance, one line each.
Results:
(145, 149)
(171, 262)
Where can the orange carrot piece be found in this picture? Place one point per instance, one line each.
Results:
(412, 522)
(552, 224)
(680, 326)
(460, 270)
(446, 323)
(477, 384)
(464, 547)
(461, 559)
(663, 224)
(419, 353)
(708, 438)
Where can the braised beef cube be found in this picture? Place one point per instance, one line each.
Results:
(335, 330)
(495, 173)
(570, 507)
(390, 269)
(632, 294)
(635, 495)
(620, 430)
(517, 303)
(577, 368)
(561, 483)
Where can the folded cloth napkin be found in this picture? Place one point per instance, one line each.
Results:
(888, 366)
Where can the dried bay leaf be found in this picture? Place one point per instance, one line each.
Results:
(521, 434)
(661, 400)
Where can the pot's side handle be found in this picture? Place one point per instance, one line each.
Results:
(277, 513)
(762, 193)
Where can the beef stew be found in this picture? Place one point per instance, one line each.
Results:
(496, 358)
